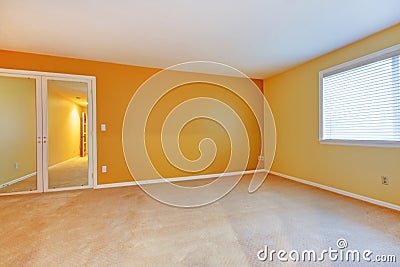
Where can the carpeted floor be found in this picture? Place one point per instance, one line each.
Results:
(70, 173)
(73, 172)
(125, 227)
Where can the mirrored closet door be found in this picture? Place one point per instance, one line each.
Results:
(46, 136)
(20, 134)
(66, 160)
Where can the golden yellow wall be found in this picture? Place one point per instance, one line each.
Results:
(293, 97)
(115, 86)
(18, 128)
(63, 128)
(200, 128)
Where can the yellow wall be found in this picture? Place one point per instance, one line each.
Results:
(200, 128)
(64, 128)
(115, 86)
(18, 128)
(293, 97)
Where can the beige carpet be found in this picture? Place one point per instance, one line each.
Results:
(70, 173)
(73, 172)
(125, 227)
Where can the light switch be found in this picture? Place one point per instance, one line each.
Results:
(104, 169)
(103, 127)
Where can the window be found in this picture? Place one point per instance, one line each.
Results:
(360, 101)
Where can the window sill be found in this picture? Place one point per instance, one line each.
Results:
(387, 144)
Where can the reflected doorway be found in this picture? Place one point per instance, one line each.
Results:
(67, 106)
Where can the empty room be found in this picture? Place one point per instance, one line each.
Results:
(200, 133)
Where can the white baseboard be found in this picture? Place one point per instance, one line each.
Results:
(209, 176)
(32, 174)
(338, 191)
(178, 179)
(17, 180)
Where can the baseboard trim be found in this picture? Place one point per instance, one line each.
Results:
(17, 180)
(178, 179)
(338, 191)
(33, 174)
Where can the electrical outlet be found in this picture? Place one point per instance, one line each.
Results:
(385, 180)
(16, 165)
(104, 169)
(260, 157)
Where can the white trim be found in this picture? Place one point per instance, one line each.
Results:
(375, 56)
(68, 188)
(45, 120)
(368, 143)
(16, 75)
(339, 191)
(15, 72)
(39, 135)
(320, 102)
(122, 184)
(178, 179)
(92, 134)
(17, 180)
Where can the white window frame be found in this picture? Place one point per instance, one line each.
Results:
(376, 56)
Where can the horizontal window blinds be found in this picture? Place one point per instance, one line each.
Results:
(363, 103)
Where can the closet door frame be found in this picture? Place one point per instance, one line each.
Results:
(44, 82)
(41, 79)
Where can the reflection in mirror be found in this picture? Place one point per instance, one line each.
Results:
(67, 134)
(17, 134)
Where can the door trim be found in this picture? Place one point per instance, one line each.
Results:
(40, 98)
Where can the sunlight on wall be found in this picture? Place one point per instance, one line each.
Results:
(63, 128)
(74, 119)
(293, 96)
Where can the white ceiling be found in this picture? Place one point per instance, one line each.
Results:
(258, 37)
(73, 91)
